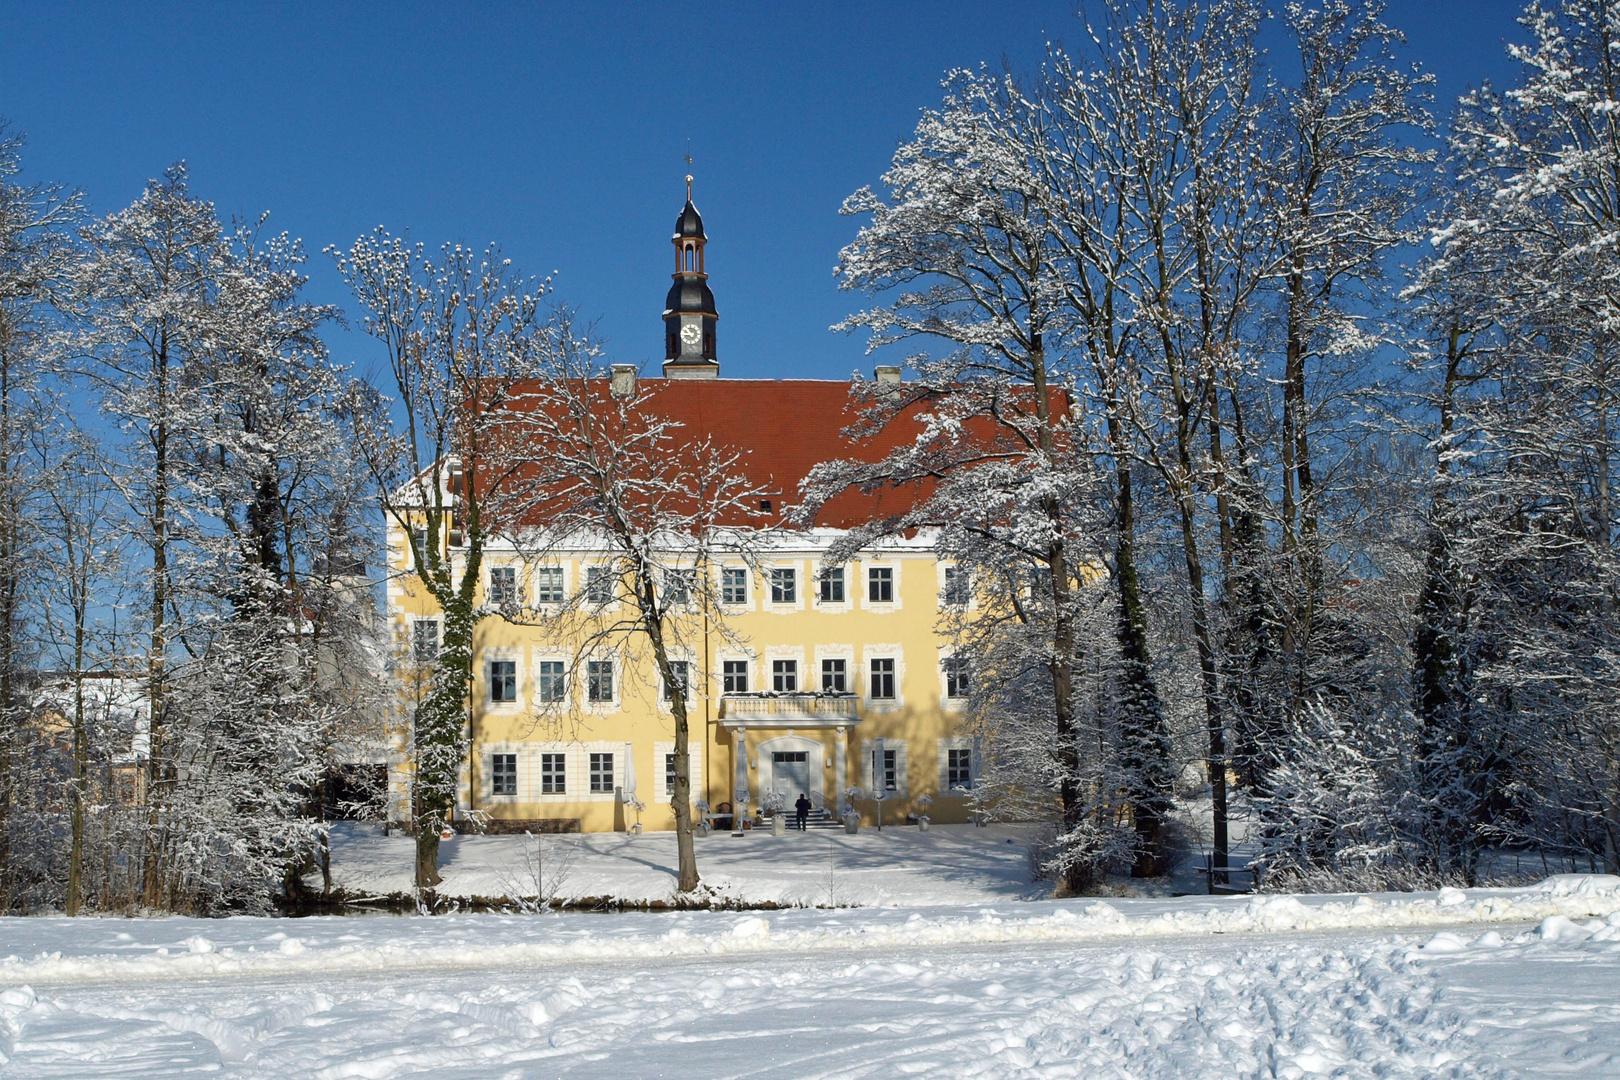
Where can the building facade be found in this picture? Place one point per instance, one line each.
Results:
(804, 678)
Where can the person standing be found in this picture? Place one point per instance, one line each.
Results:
(801, 811)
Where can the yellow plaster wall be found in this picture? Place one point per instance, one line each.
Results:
(642, 719)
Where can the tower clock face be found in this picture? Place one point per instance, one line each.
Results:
(690, 333)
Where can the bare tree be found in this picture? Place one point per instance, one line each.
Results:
(82, 537)
(457, 333)
(36, 259)
(966, 235)
(1535, 524)
(618, 476)
(1157, 118)
(144, 296)
(1340, 184)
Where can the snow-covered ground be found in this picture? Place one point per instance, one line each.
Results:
(951, 864)
(1520, 982)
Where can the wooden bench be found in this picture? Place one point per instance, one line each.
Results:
(1234, 875)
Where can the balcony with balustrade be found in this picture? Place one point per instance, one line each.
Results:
(765, 709)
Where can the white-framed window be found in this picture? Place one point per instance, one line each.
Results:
(680, 669)
(554, 773)
(880, 584)
(734, 676)
(424, 640)
(734, 586)
(420, 536)
(882, 679)
(664, 761)
(880, 670)
(503, 774)
(502, 585)
(549, 586)
(599, 585)
(958, 765)
(958, 672)
(550, 681)
(601, 773)
(889, 759)
(834, 675)
(503, 681)
(599, 682)
(785, 676)
(677, 588)
(958, 587)
(784, 585)
(831, 581)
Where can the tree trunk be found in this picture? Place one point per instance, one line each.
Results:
(326, 864)
(1144, 717)
(681, 799)
(10, 712)
(1075, 875)
(1208, 670)
(152, 889)
(438, 742)
(1298, 483)
(81, 758)
(427, 851)
(1440, 699)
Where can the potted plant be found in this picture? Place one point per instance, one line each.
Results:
(773, 804)
(924, 803)
(852, 819)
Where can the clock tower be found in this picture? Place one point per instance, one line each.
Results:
(689, 314)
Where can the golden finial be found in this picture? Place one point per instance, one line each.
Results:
(688, 187)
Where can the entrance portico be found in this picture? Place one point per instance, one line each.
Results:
(789, 741)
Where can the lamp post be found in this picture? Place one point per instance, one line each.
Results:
(879, 780)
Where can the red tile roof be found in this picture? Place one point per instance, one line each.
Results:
(785, 427)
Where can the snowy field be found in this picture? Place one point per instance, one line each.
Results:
(950, 864)
(1488, 983)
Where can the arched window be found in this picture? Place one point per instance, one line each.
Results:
(690, 260)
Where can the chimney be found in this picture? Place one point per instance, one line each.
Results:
(887, 374)
(624, 380)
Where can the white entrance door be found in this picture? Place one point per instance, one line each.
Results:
(790, 775)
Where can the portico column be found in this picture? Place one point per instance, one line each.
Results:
(739, 739)
(839, 745)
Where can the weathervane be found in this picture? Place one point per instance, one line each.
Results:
(688, 165)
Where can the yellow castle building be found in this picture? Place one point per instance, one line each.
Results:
(806, 679)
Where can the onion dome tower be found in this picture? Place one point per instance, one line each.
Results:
(689, 314)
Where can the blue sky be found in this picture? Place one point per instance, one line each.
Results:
(556, 130)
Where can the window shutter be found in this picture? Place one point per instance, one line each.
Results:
(869, 781)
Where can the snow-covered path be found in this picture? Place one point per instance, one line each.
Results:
(1145, 989)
